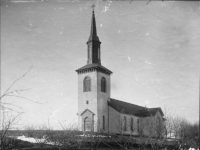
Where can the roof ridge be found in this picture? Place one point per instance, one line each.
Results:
(127, 102)
(155, 108)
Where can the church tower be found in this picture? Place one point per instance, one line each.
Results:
(93, 87)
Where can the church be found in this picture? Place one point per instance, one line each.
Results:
(98, 112)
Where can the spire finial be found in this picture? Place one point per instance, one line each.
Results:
(93, 7)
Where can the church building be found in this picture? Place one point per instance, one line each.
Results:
(97, 111)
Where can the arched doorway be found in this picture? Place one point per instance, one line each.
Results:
(88, 125)
(87, 120)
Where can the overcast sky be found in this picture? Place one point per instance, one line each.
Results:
(153, 51)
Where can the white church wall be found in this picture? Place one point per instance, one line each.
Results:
(152, 126)
(102, 103)
(114, 121)
(90, 96)
(127, 129)
(162, 123)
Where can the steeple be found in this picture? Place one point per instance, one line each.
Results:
(93, 31)
(93, 43)
(93, 50)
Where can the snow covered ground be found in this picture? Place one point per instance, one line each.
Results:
(35, 140)
(45, 141)
(89, 135)
(31, 140)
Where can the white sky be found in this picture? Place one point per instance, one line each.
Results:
(153, 50)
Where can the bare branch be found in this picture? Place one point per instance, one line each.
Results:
(25, 98)
(11, 109)
(15, 91)
(5, 93)
(11, 105)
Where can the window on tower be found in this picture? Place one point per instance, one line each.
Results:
(103, 84)
(87, 84)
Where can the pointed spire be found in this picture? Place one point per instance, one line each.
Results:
(93, 31)
(93, 23)
(94, 55)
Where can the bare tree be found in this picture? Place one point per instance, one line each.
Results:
(151, 132)
(186, 132)
(10, 113)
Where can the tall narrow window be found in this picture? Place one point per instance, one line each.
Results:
(138, 125)
(124, 124)
(131, 124)
(103, 84)
(86, 84)
(103, 122)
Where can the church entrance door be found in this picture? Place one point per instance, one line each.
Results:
(88, 124)
(87, 120)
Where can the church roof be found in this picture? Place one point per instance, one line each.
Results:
(128, 108)
(94, 66)
(154, 111)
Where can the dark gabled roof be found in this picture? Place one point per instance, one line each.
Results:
(155, 110)
(128, 108)
(94, 66)
(124, 107)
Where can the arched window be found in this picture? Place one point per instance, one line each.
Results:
(86, 84)
(103, 122)
(131, 124)
(124, 125)
(103, 84)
